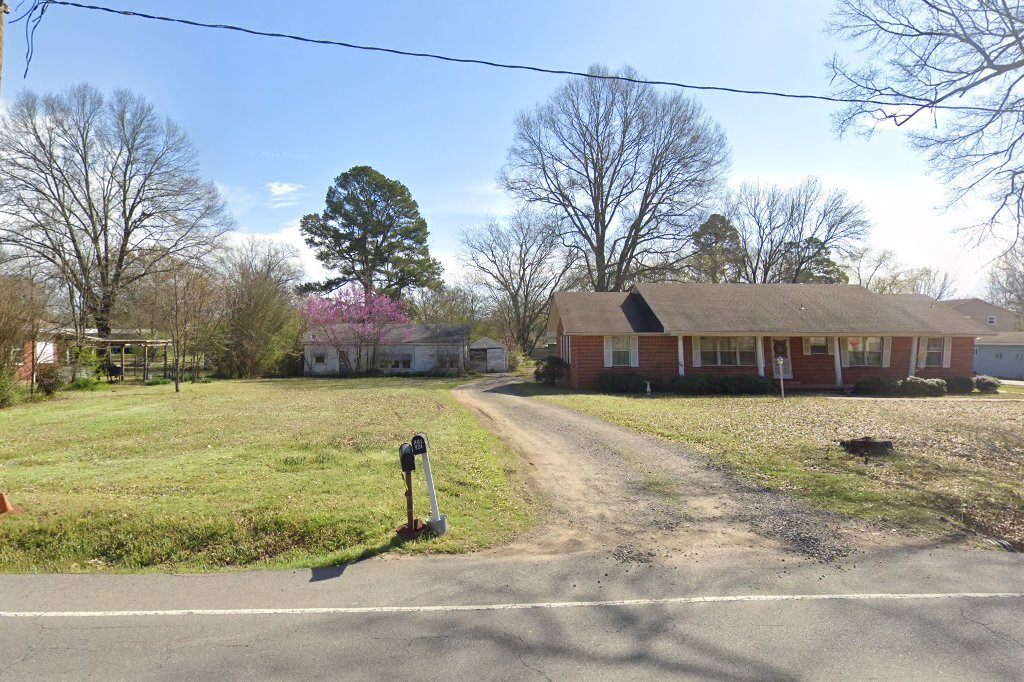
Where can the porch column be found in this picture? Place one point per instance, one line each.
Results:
(913, 356)
(838, 361)
(682, 355)
(760, 355)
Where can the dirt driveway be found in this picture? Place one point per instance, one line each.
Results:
(641, 498)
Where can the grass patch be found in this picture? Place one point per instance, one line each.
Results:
(285, 473)
(958, 463)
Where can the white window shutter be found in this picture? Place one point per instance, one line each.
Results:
(807, 345)
(607, 351)
(886, 350)
(922, 351)
(695, 347)
(634, 351)
(947, 351)
(830, 345)
(844, 352)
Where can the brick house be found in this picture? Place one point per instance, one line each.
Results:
(827, 335)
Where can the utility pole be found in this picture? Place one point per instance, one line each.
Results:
(5, 9)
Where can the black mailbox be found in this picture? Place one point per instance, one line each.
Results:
(420, 445)
(408, 457)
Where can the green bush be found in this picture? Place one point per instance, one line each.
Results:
(158, 381)
(986, 384)
(84, 384)
(627, 382)
(8, 389)
(960, 385)
(875, 386)
(550, 370)
(710, 384)
(50, 378)
(916, 387)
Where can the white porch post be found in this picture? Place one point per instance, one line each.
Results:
(913, 357)
(760, 355)
(682, 355)
(838, 361)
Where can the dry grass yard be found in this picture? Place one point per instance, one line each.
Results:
(959, 463)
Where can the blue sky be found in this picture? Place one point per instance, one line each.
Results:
(276, 121)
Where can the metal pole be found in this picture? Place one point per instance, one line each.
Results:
(408, 501)
(434, 513)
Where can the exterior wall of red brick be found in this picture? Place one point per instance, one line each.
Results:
(658, 359)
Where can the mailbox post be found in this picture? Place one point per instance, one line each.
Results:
(438, 523)
(413, 527)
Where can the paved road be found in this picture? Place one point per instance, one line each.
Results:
(748, 607)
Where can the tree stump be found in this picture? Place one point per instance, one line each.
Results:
(868, 447)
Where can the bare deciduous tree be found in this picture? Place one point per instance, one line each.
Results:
(261, 306)
(955, 63)
(102, 189)
(883, 273)
(629, 171)
(791, 235)
(1006, 283)
(521, 265)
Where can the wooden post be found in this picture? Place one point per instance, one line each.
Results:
(167, 359)
(122, 363)
(408, 501)
(5, 9)
(145, 362)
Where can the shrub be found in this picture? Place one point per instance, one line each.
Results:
(158, 381)
(882, 387)
(709, 384)
(8, 389)
(986, 384)
(50, 378)
(916, 387)
(960, 385)
(550, 369)
(84, 384)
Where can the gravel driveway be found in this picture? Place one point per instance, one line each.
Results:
(610, 489)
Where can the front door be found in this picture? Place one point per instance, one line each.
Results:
(780, 349)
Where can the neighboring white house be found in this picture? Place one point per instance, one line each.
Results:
(992, 316)
(405, 348)
(488, 355)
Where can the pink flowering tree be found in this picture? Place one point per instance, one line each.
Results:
(353, 322)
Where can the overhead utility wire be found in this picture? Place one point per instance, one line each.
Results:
(41, 6)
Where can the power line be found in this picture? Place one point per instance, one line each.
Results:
(35, 13)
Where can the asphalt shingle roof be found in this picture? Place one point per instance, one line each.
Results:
(809, 309)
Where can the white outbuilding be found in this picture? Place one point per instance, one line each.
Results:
(488, 355)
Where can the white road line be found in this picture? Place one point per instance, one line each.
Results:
(505, 607)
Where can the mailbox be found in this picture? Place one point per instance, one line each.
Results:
(420, 445)
(408, 457)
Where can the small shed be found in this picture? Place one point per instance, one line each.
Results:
(488, 355)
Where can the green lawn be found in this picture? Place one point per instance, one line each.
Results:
(959, 462)
(244, 473)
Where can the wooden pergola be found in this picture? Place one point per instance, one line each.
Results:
(146, 344)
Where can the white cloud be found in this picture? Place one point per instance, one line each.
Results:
(284, 194)
(454, 271)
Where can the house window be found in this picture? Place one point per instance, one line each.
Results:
(728, 351)
(447, 359)
(991, 319)
(933, 352)
(397, 362)
(999, 356)
(864, 351)
(620, 351)
(976, 349)
(319, 359)
(818, 345)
